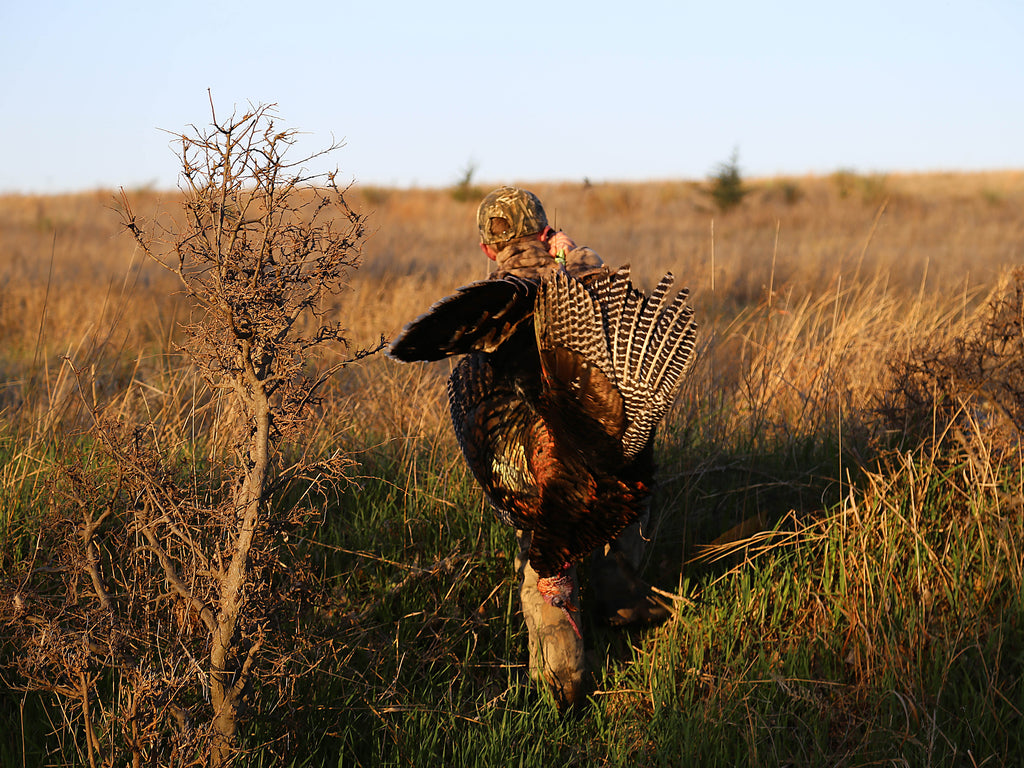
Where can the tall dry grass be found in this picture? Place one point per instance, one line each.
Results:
(909, 233)
(804, 292)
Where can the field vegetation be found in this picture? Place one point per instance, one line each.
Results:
(840, 519)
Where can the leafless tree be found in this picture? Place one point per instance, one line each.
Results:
(164, 581)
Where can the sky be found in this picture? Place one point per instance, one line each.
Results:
(419, 92)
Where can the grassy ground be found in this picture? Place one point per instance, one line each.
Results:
(841, 523)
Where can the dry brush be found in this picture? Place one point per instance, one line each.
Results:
(163, 579)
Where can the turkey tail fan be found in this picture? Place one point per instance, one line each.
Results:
(567, 315)
(477, 318)
(583, 404)
(641, 344)
(659, 351)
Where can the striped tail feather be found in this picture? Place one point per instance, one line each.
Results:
(663, 364)
(622, 332)
(659, 349)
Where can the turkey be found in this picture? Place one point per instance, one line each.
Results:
(556, 400)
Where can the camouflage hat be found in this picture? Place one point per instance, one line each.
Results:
(520, 208)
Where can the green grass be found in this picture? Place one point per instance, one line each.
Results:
(884, 628)
(881, 625)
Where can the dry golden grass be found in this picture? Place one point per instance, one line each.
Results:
(869, 261)
(925, 232)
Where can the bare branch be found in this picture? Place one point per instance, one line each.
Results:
(171, 574)
(92, 561)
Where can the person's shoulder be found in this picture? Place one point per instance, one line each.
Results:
(582, 261)
(528, 260)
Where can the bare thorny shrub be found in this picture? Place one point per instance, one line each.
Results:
(964, 387)
(159, 590)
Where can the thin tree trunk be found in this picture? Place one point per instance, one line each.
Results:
(228, 678)
(90, 735)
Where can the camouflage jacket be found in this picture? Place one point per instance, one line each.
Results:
(530, 260)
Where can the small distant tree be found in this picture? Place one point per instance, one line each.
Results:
(726, 184)
(167, 582)
(844, 180)
(464, 189)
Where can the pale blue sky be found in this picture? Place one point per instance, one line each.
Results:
(526, 91)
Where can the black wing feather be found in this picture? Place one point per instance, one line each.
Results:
(479, 317)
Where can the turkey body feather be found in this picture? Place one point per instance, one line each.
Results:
(557, 398)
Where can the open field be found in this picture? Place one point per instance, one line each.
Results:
(848, 441)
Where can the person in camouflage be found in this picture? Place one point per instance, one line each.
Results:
(514, 233)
